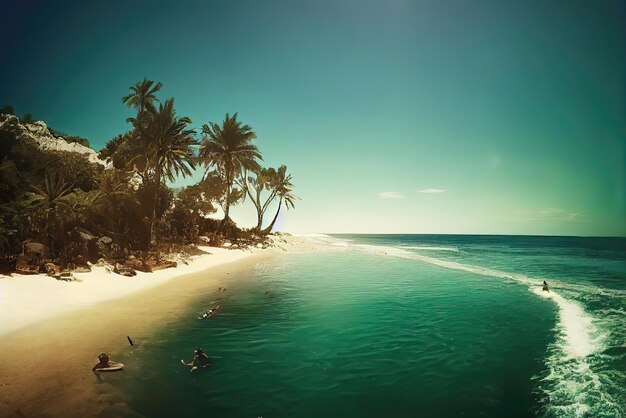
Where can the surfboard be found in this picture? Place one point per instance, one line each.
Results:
(113, 367)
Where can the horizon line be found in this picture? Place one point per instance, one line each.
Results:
(455, 233)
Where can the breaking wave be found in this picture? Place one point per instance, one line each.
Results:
(580, 379)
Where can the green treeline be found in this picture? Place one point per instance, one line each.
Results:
(67, 207)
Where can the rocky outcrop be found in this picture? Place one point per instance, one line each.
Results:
(38, 134)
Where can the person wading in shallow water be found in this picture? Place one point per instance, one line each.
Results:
(545, 286)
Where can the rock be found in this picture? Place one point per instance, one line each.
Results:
(85, 235)
(38, 135)
(52, 269)
(34, 247)
(9, 121)
(259, 245)
(65, 276)
(38, 127)
(164, 265)
(105, 240)
(124, 271)
(101, 263)
(137, 264)
(22, 266)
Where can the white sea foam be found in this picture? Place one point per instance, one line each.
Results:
(576, 325)
(573, 388)
(312, 235)
(430, 248)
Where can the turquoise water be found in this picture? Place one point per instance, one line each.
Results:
(403, 326)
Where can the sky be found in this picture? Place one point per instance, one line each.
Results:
(393, 116)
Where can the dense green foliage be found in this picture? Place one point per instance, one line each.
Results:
(68, 209)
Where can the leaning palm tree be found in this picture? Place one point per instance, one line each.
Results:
(264, 179)
(283, 187)
(142, 96)
(229, 150)
(167, 145)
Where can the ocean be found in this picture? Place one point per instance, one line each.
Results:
(401, 326)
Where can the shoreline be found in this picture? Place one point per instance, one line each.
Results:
(46, 365)
(27, 300)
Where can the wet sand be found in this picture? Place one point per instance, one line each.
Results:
(45, 369)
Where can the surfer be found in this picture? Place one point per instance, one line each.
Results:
(545, 286)
(200, 359)
(105, 362)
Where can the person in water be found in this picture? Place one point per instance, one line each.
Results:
(212, 312)
(545, 286)
(200, 359)
(105, 362)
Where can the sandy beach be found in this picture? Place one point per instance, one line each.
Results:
(27, 300)
(52, 332)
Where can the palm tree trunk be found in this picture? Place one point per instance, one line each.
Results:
(257, 204)
(153, 229)
(259, 219)
(49, 234)
(227, 209)
(269, 228)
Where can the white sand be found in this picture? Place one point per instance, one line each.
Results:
(26, 300)
(72, 322)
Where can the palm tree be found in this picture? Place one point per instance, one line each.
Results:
(142, 96)
(52, 204)
(167, 144)
(229, 149)
(254, 186)
(7, 230)
(281, 183)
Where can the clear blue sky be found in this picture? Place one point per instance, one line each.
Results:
(514, 111)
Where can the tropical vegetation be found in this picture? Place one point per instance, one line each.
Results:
(61, 207)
